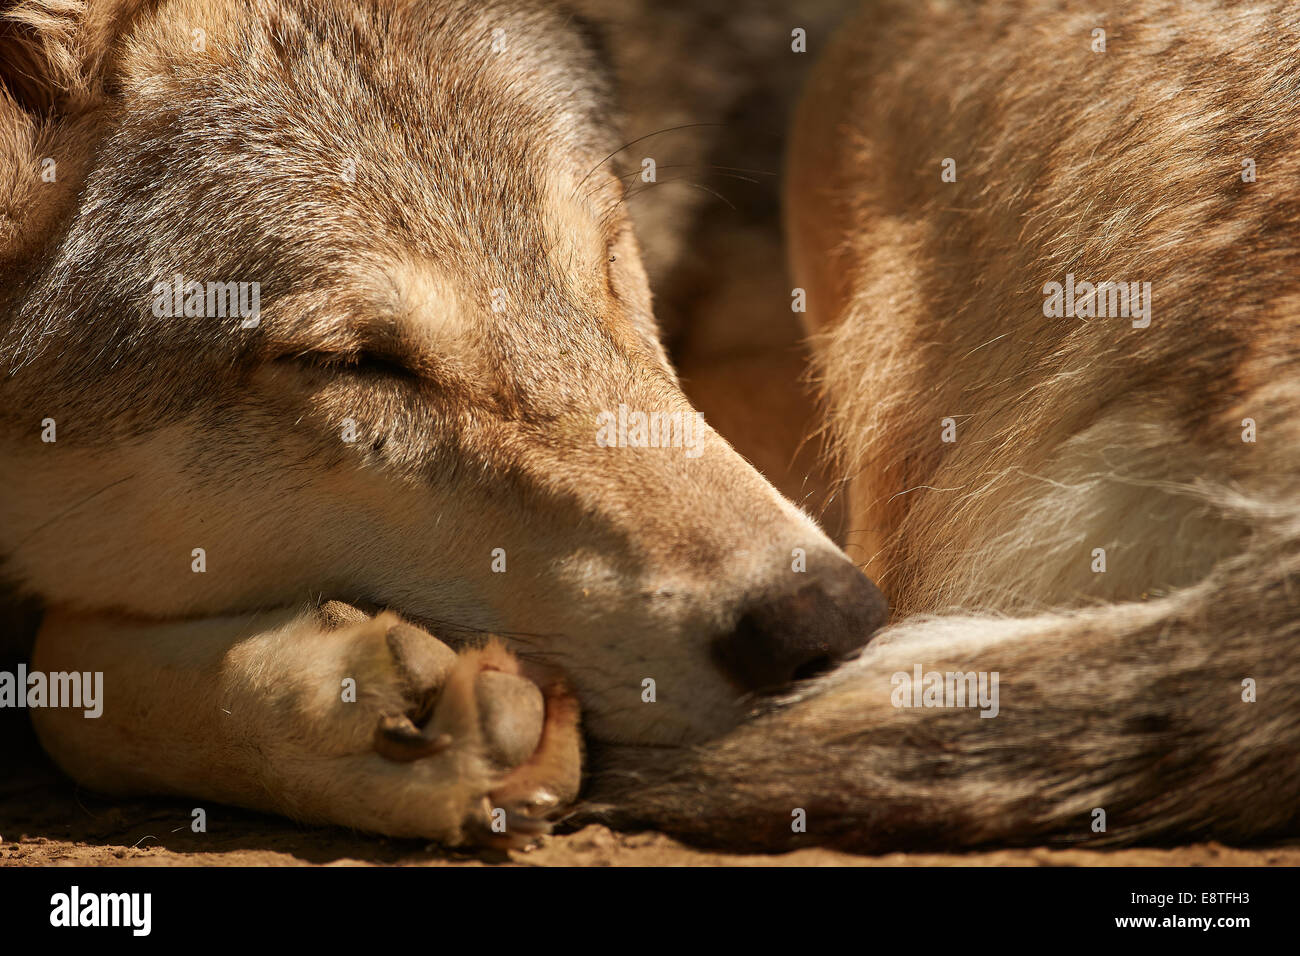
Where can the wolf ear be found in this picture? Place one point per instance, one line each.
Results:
(52, 52)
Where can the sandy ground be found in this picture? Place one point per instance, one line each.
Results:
(45, 820)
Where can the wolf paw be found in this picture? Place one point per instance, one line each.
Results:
(497, 738)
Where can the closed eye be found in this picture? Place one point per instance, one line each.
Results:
(360, 362)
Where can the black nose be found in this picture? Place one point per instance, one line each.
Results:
(779, 639)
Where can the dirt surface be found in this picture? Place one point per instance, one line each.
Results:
(45, 820)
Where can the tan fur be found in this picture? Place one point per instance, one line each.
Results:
(936, 291)
(467, 304)
(1121, 691)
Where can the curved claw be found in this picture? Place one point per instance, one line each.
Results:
(398, 739)
(522, 829)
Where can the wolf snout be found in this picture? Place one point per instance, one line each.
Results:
(782, 638)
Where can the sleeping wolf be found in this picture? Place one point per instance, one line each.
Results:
(226, 502)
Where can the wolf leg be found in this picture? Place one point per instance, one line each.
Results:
(327, 715)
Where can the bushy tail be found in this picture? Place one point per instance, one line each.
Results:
(1141, 710)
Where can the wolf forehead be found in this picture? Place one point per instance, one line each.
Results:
(458, 53)
(360, 153)
(412, 121)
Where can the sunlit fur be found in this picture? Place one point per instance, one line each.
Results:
(467, 304)
(1121, 691)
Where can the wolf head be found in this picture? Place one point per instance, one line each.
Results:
(342, 298)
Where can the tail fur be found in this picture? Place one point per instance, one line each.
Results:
(1136, 709)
